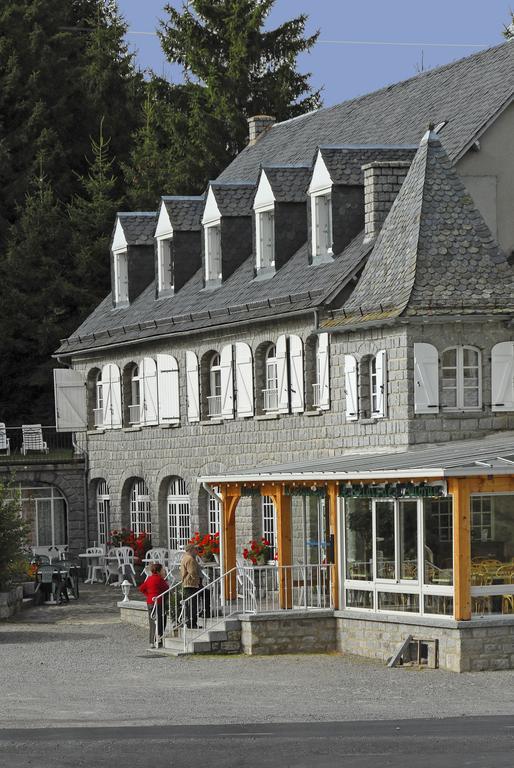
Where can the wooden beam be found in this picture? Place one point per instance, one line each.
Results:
(459, 488)
(230, 502)
(332, 503)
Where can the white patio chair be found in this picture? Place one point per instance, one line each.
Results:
(4, 440)
(112, 566)
(33, 439)
(126, 563)
(157, 555)
(99, 568)
(245, 583)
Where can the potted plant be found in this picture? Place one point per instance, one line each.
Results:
(257, 551)
(207, 544)
(14, 535)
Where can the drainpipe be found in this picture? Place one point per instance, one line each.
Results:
(207, 488)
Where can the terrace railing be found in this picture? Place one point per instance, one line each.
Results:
(59, 447)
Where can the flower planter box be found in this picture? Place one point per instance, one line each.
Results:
(11, 602)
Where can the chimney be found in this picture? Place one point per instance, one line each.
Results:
(258, 126)
(382, 182)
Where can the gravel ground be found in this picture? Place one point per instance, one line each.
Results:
(79, 665)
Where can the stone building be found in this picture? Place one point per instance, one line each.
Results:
(344, 287)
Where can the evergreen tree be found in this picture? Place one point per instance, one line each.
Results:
(235, 69)
(38, 300)
(91, 214)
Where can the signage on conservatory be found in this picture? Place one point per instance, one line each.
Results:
(392, 490)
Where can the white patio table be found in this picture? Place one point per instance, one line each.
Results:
(93, 561)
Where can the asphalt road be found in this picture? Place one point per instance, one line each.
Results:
(474, 742)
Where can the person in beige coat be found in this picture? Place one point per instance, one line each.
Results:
(190, 576)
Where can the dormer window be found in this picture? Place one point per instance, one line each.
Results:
(213, 252)
(265, 232)
(164, 265)
(121, 293)
(321, 209)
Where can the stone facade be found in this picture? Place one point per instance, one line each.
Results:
(11, 602)
(297, 632)
(67, 478)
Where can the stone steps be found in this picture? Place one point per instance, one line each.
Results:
(223, 638)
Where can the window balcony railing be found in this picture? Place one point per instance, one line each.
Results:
(214, 405)
(316, 394)
(135, 413)
(98, 417)
(270, 399)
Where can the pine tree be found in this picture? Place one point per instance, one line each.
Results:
(91, 214)
(38, 300)
(236, 69)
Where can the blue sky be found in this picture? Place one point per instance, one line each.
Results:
(345, 71)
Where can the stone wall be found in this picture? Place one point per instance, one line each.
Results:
(281, 632)
(463, 646)
(11, 602)
(69, 479)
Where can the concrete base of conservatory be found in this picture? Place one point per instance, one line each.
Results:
(464, 646)
(288, 632)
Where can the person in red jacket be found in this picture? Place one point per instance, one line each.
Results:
(154, 586)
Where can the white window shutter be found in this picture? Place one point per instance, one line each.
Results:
(502, 376)
(107, 396)
(426, 378)
(193, 389)
(381, 369)
(323, 367)
(296, 374)
(244, 379)
(116, 419)
(70, 400)
(148, 374)
(282, 374)
(227, 383)
(350, 386)
(168, 389)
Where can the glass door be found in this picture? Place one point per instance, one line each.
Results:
(385, 554)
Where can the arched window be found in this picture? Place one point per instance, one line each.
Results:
(103, 503)
(46, 509)
(214, 398)
(461, 377)
(269, 523)
(98, 410)
(214, 513)
(179, 514)
(270, 391)
(140, 515)
(135, 397)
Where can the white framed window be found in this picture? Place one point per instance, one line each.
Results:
(461, 378)
(98, 410)
(265, 238)
(212, 251)
(140, 511)
(214, 513)
(103, 505)
(321, 215)
(135, 397)
(46, 509)
(269, 523)
(165, 278)
(270, 391)
(214, 397)
(482, 519)
(120, 260)
(179, 514)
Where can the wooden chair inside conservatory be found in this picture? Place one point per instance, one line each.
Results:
(481, 603)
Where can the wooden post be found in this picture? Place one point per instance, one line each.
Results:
(332, 502)
(285, 575)
(231, 495)
(459, 488)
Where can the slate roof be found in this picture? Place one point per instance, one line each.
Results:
(434, 253)
(233, 199)
(185, 213)
(138, 228)
(344, 163)
(297, 286)
(487, 454)
(466, 94)
(289, 182)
